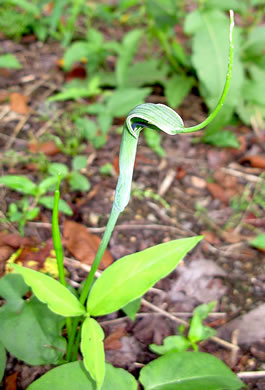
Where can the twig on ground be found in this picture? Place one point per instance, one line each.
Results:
(251, 374)
(166, 183)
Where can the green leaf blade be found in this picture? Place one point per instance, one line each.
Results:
(9, 61)
(92, 349)
(19, 183)
(58, 298)
(29, 330)
(188, 371)
(133, 275)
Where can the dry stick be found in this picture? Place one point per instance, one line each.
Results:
(48, 124)
(179, 320)
(17, 129)
(246, 176)
(251, 374)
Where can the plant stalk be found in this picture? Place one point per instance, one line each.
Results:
(227, 83)
(57, 243)
(71, 351)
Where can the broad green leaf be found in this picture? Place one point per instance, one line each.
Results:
(29, 330)
(131, 276)
(127, 52)
(2, 360)
(58, 298)
(47, 185)
(198, 331)
(75, 53)
(78, 182)
(210, 44)
(188, 371)
(259, 241)
(171, 343)
(32, 213)
(177, 88)
(47, 201)
(253, 91)
(77, 92)
(9, 61)
(164, 13)
(132, 308)
(19, 184)
(145, 73)
(87, 128)
(226, 5)
(56, 169)
(123, 101)
(64, 376)
(92, 349)
(222, 138)
(79, 162)
(26, 6)
(254, 45)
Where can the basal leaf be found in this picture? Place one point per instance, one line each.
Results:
(63, 377)
(58, 298)
(177, 88)
(188, 371)
(131, 276)
(19, 184)
(29, 330)
(92, 349)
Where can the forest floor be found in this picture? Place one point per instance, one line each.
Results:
(201, 190)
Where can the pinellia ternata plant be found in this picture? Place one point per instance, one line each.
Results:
(52, 304)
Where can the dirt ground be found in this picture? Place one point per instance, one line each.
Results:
(197, 181)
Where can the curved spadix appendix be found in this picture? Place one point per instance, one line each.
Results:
(159, 117)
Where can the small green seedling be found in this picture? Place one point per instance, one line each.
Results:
(21, 212)
(197, 332)
(123, 282)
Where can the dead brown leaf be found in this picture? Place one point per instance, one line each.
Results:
(15, 240)
(49, 148)
(218, 192)
(11, 381)
(256, 161)
(84, 245)
(112, 342)
(18, 103)
(211, 237)
(34, 257)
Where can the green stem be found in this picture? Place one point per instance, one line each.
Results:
(103, 245)
(57, 243)
(227, 83)
(76, 346)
